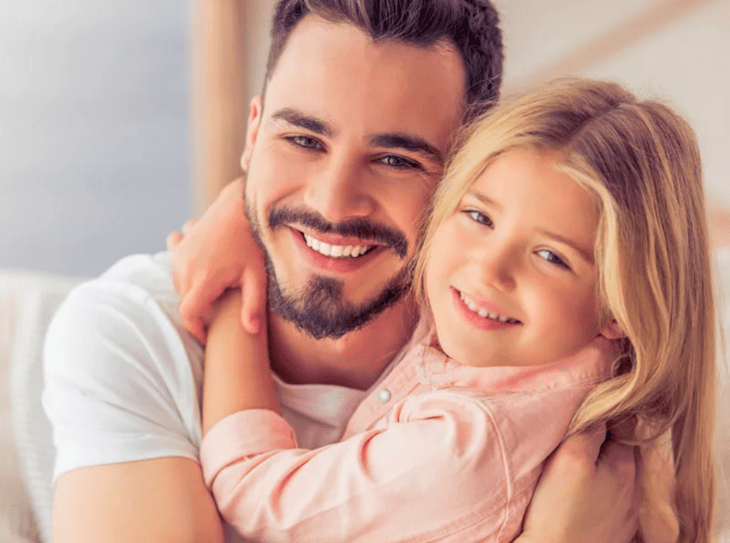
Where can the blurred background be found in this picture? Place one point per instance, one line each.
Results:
(121, 119)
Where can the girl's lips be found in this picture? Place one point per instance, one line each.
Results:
(477, 321)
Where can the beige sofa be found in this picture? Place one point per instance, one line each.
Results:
(28, 301)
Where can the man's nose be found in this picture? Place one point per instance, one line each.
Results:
(340, 190)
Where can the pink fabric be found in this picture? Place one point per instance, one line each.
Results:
(449, 453)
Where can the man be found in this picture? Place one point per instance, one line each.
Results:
(343, 150)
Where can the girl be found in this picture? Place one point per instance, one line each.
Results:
(566, 274)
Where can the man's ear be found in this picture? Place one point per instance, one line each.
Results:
(252, 130)
(612, 330)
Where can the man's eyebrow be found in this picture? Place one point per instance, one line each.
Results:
(409, 143)
(307, 122)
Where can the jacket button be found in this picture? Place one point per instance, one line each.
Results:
(384, 395)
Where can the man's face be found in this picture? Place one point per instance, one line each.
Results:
(341, 164)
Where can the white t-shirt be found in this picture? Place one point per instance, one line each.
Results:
(124, 379)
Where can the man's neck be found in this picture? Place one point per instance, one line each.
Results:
(355, 360)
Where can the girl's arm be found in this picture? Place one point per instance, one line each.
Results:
(434, 469)
(237, 376)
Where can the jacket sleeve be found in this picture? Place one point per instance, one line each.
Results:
(435, 468)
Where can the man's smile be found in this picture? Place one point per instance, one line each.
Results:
(336, 246)
(352, 238)
(336, 254)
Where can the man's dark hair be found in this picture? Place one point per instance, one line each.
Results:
(471, 25)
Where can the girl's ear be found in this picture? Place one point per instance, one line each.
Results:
(612, 330)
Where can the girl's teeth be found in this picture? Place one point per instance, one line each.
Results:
(483, 312)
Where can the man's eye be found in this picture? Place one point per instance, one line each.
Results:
(398, 162)
(553, 258)
(305, 142)
(479, 217)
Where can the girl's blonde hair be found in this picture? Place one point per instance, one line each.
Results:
(641, 162)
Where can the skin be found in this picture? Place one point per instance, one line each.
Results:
(519, 245)
(324, 143)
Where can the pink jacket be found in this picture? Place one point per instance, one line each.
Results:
(438, 452)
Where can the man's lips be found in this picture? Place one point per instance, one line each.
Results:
(335, 246)
(336, 260)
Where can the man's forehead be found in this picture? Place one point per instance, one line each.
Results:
(334, 72)
(313, 29)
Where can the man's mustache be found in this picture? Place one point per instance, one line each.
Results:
(357, 228)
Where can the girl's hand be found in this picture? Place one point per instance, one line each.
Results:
(213, 254)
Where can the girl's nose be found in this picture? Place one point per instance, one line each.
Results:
(497, 265)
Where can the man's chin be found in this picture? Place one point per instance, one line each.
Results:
(321, 311)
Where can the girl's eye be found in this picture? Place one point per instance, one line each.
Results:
(479, 217)
(398, 162)
(305, 142)
(553, 258)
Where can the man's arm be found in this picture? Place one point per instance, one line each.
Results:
(587, 492)
(156, 501)
(121, 397)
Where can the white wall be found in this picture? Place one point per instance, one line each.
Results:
(94, 130)
(677, 50)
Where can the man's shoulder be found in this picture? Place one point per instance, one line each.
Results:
(151, 273)
(133, 284)
(122, 377)
(133, 303)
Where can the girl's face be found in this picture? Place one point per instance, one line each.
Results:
(510, 277)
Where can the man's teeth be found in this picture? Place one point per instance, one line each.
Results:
(336, 251)
(483, 312)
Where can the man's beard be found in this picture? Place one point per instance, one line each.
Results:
(319, 308)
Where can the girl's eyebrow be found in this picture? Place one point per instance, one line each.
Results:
(486, 200)
(586, 255)
(567, 241)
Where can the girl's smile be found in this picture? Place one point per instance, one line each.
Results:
(482, 315)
